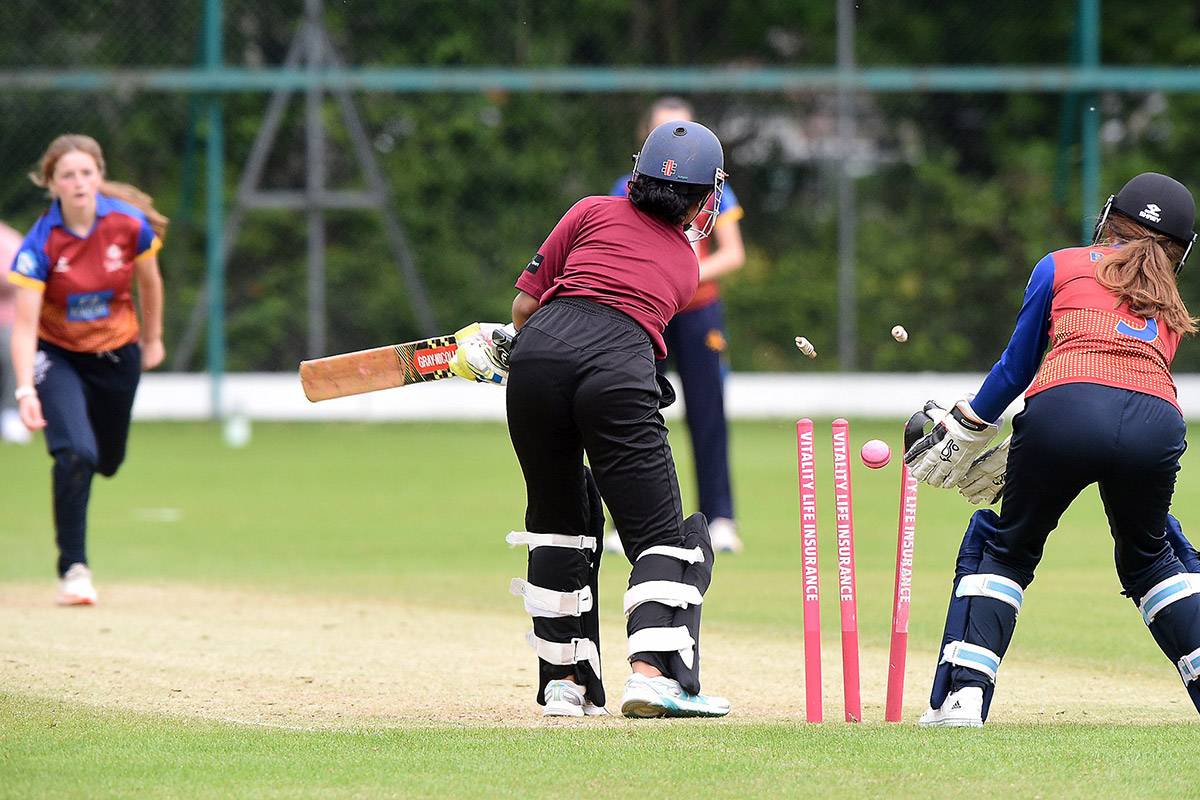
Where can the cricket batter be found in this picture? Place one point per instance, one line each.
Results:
(696, 341)
(1101, 408)
(591, 309)
(78, 349)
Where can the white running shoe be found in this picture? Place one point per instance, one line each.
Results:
(962, 709)
(612, 543)
(722, 531)
(664, 697)
(12, 430)
(566, 698)
(75, 587)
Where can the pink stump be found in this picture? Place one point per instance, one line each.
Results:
(810, 581)
(847, 590)
(905, 540)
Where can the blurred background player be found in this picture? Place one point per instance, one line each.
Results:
(696, 343)
(1100, 409)
(12, 430)
(591, 309)
(77, 348)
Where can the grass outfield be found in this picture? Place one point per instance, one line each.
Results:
(412, 517)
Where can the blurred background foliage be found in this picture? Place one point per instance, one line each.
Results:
(958, 194)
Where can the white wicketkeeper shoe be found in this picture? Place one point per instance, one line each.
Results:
(75, 587)
(962, 709)
(724, 536)
(664, 697)
(566, 699)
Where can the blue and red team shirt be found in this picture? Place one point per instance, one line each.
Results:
(708, 292)
(605, 250)
(1092, 339)
(86, 282)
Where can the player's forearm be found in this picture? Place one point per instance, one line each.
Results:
(729, 254)
(721, 263)
(150, 300)
(24, 335)
(522, 308)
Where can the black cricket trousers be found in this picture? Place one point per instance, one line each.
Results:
(582, 380)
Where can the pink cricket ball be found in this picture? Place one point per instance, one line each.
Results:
(876, 454)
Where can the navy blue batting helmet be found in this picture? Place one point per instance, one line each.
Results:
(686, 152)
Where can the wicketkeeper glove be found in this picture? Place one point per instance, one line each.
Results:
(482, 354)
(984, 481)
(943, 456)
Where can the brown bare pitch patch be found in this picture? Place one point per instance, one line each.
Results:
(317, 663)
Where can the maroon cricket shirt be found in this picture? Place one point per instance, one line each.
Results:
(607, 251)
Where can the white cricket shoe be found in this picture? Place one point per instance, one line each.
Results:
(664, 697)
(722, 531)
(75, 587)
(612, 543)
(566, 698)
(12, 430)
(962, 709)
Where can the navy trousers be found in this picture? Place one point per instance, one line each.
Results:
(1067, 438)
(87, 400)
(696, 343)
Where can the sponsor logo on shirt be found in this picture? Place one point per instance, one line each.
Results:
(114, 259)
(534, 264)
(1151, 212)
(26, 263)
(88, 306)
(62, 265)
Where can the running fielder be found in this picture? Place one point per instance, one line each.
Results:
(1100, 409)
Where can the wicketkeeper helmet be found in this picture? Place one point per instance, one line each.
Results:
(1158, 202)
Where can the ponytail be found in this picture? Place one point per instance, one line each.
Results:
(139, 200)
(1141, 272)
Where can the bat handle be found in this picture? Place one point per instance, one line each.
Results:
(503, 342)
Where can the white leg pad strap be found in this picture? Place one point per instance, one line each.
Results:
(693, 556)
(669, 593)
(1189, 666)
(972, 656)
(664, 640)
(551, 540)
(1163, 593)
(565, 653)
(996, 587)
(541, 602)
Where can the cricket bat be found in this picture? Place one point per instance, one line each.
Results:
(378, 368)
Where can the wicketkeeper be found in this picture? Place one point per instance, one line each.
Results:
(1101, 408)
(591, 309)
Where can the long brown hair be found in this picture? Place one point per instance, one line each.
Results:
(78, 142)
(1142, 272)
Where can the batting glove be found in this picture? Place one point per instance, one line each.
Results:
(482, 353)
(984, 481)
(942, 457)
